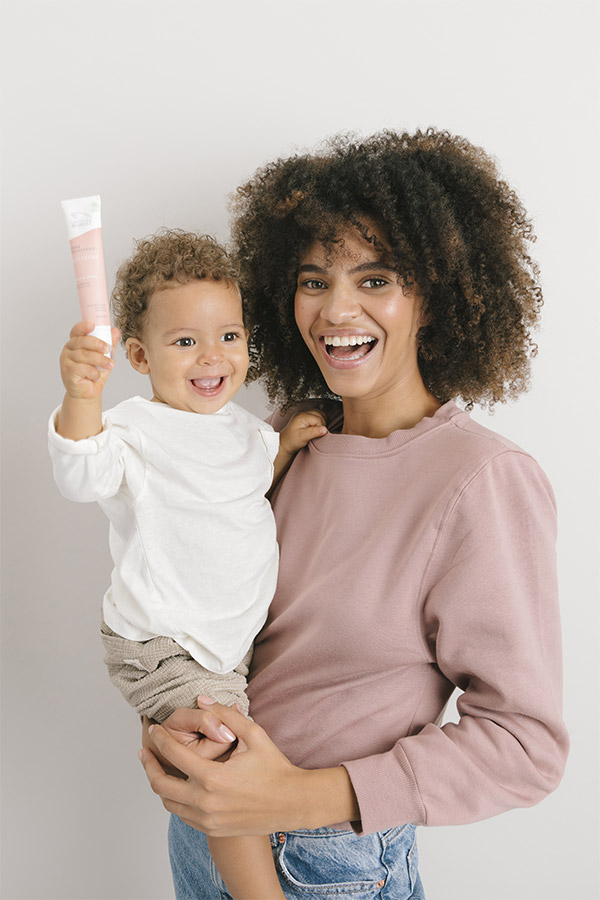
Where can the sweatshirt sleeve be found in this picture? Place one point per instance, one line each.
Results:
(490, 622)
(88, 470)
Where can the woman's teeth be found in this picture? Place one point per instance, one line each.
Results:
(347, 340)
(363, 343)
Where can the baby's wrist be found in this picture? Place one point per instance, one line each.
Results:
(79, 417)
(285, 449)
(78, 400)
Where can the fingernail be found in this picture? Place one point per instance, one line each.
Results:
(151, 729)
(226, 733)
(141, 755)
(204, 700)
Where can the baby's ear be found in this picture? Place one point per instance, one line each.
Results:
(136, 353)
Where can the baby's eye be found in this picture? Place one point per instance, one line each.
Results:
(185, 342)
(230, 336)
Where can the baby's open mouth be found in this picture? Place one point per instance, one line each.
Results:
(349, 347)
(208, 385)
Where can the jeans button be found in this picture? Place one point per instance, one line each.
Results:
(281, 838)
(381, 883)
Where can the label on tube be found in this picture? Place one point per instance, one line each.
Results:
(84, 225)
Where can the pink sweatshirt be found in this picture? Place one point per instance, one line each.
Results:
(410, 565)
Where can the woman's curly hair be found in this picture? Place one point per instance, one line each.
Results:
(165, 257)
(453, 227)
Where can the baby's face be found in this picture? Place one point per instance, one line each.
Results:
(194, 345)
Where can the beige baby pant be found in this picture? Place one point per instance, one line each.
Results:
(158, 676)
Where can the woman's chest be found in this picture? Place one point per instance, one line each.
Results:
(355, 543)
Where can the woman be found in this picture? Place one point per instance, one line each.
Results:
(417, 547)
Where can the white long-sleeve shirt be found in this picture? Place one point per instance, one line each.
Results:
(192, 536)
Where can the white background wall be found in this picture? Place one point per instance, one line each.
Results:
(163, 108)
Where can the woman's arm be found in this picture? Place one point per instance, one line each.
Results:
(256, 791)
(491, 622)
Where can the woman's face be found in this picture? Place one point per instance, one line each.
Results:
(358, 321)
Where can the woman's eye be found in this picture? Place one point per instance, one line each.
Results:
(374, 282)
(314, 284)
(185, 342)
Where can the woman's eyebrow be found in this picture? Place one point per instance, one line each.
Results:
(363, 267)
(311, 268)
(374, 264)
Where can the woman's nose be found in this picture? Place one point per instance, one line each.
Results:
(340, 305)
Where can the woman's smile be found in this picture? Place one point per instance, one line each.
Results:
(347, 350)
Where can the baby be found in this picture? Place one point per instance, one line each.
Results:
(182, 478)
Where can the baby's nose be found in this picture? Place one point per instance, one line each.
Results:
(209, 353)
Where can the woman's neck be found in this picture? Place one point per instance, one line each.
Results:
(378, 417)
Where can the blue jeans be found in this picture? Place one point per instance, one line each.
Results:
(312, 865)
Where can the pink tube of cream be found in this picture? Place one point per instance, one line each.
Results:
(84, 225)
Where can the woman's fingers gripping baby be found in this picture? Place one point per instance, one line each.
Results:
(201, 731)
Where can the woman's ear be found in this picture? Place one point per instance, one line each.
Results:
(137, 355)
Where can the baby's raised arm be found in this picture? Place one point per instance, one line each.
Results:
(84, 368)
(304, 427)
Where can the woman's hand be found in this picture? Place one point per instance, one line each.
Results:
(148, 743)
(206, 735)
(185, 726)
(256, 791)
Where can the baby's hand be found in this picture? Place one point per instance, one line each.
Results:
(304, 427)
(84, 367)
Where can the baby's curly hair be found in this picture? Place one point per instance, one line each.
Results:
(167, 256)
(453, 227)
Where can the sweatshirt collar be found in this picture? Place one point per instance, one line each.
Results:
(358, 445)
